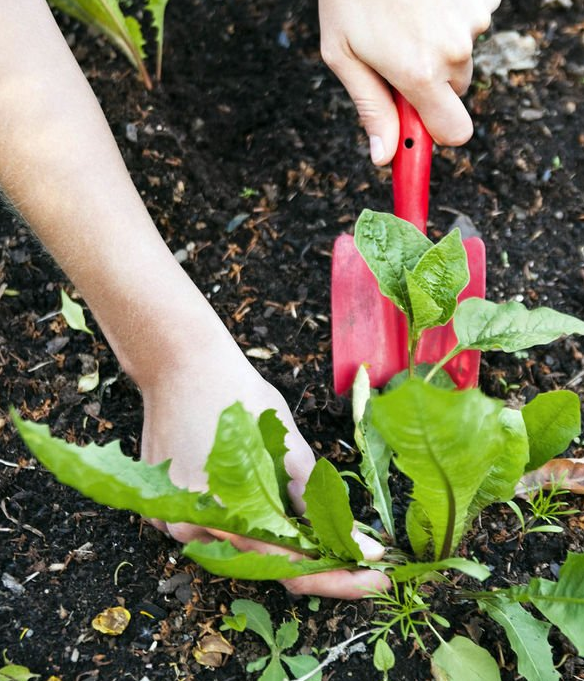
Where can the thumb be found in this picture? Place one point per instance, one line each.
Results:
(375, 105)
(372, 550)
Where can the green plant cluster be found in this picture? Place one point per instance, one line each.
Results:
(125, 32)
(462, 451)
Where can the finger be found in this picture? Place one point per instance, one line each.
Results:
(443, 113)
(372, 550)
(371, 95)
(338, 584)
(185, 532)
(461, 77)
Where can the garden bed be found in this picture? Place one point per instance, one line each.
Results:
(245, 104)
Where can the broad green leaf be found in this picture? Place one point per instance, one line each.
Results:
(527, 636)
(552, 421)
(462, 660)
(327, 508)
(258, 664)
(73, 314)
(507, 468)
(257, 619)
(300, 665)
(274, 671)
(223, 559)
(409, 571)
(383, 657)
(483, 325)
(441, 378)
(419, 528)
(287, 634)
(236, 623)
(274, 436)
(157, 8)
(446, 442)
(562, 602)
(16, 672)
(376, 456)
(241, 473)
(425, 310)
(441, 274)
(105, 475)
(390, 246)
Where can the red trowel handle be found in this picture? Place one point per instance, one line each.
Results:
(411, 165)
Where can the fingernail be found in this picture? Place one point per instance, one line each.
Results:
(376, 148)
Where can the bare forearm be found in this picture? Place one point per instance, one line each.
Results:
(61, 168)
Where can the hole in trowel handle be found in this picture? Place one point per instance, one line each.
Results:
(409, 143)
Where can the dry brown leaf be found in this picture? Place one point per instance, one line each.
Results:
(112, 621)
(560, 473)
(211, 649)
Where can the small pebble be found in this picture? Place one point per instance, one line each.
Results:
(181, 255)
(530, 115)
(184, 593)
(12, 584)
(131, 132)
(171, 585)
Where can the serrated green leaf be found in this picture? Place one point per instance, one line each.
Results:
(375, 454)
(329, 512)
(223, 559)
(300, 665)
(107, 18)
(257, 618)
(390, 246)
(562, 602)
(552, 421)
(287, 634)
(135, 34)
(462, 660)
(383, 657)
(409, 571)
(73, 314)
(483, 325)
(446, 442)
(157, 9)
(274, 436)
(241, 473)
(527, 636)
(105, 475)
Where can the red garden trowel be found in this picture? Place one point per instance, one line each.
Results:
(366, 327)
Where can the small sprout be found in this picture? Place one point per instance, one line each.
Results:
(118, 568)
(248, 193)
(314, 603)
(383, 657)
(234, 622)
(88, 382)
(15, 672)
(73, 314)
(556, 163)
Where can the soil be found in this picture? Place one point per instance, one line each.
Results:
(245, 102)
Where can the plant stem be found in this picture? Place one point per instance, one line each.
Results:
(436, 368)
(413, 340)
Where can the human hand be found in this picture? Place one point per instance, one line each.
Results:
(181, 411)
(422, 48)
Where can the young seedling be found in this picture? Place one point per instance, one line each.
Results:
(253, 616)
(122, 31)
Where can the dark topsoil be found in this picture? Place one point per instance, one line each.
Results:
(246, 102)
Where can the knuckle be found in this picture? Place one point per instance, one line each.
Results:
(331, 55)
(459, 51)
(423, 75)
(482, 22)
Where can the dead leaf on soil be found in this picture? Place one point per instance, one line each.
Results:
(561, 473)
(112, 621)
(211, 649)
